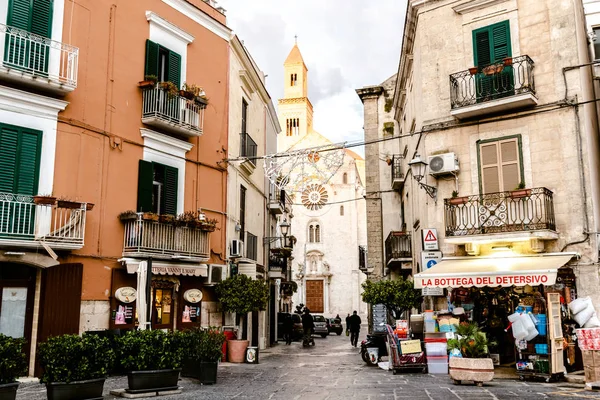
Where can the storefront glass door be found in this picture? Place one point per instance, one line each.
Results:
(162, 315)
(13, 309)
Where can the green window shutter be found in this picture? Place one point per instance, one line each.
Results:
(41, 18)
(175, 68)
(145, 183)
(151, 67)
(28, 160)
(9, 140)
(169, 195)
(481, 50)
(500, 34)
(491, 43)
(19, 13)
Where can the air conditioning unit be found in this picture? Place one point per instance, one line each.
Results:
(236, 249)
(441, 164)
(216, 273)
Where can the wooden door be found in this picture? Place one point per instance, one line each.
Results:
(314, 296)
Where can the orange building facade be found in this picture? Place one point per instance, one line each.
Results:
(99, 155)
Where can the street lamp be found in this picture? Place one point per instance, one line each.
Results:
(418, 168)
(285, 228)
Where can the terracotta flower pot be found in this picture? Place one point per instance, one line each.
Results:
(478, 370)
(236, 350)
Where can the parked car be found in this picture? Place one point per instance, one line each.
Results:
(335, 326)
(297, 330)
(320, 325)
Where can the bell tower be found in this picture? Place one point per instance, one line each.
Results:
(295, 110)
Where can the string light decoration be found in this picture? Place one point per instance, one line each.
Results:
(300, 168)
(314, 197)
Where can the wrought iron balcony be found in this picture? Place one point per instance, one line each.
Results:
(248, 148)
(397, 175)
(398, 247)
(251, 246)
(514, 211)
(171, 112)
(24, 223)
(280, 245)
(493, 88)
(277, 263)
(276, 200)
(165, 241)
(38, 61)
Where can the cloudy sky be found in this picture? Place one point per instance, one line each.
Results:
(346, 44)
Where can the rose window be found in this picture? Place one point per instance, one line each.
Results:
(314, 197)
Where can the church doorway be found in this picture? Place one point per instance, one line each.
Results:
(314, 296)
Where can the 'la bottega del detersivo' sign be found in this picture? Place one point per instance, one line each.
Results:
(489, 280)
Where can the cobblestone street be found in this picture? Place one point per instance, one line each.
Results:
(334, 370)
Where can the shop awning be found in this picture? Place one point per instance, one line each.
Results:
(539, 269)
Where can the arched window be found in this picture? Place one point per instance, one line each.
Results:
(345, 177)
(311, 233)
(317, 233)
(341, 210)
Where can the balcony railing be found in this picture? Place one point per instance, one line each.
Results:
(277, 263)
(24, 223)
(251, 246)
(172, 112)
(165, 240)
(514, 211)
(398, 246)
(276, 200)
(397, 175)
(248, 148)
(27, 55)
(511, 77)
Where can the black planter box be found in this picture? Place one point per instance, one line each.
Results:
(204, 371)
(8, 391)
(152, 381)
(79, 390)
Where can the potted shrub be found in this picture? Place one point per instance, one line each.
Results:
(128, 215)
(520, 191)
(152, 360)
(75, 367)
(169, 87)
(204, 349)
(475, 364)
(455, 200)
(149, 81)
(210, 225)
(189, 219)
(13, 364)
(44, 199)
(241, 295)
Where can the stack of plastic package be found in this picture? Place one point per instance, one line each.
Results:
(584, 313)
(523, 326)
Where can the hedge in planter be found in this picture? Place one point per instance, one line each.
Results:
(13, 364)
(475, 364)
(75, 367)
(152, 359)
(203, 350)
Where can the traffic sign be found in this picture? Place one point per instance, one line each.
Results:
(430, 240)
(429, 259)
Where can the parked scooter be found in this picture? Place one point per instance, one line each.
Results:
(373, 341)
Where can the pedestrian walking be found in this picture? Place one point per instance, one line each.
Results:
(348, 325)
(338, 319)
(354, 328)
(287, 327)
(308, 325)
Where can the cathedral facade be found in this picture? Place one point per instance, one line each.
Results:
(329, 214)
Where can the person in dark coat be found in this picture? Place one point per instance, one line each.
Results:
(287, 328)
(347, 324)
(354, 328)
(308, 324)
(337, 319)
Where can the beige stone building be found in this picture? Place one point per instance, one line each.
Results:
(495, 96)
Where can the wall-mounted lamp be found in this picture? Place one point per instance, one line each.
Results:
(285, 228)
(238, 227)
(201, 215)
(418, 168)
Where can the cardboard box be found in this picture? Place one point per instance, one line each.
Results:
(410, 346)
(596, 354)
(588, 358)
(592, 374)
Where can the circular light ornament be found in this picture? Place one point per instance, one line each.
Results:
(314, 197)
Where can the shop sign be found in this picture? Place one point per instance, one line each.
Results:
(490, 280)
(430, 239)
(175, 270)
(433, 291)
(192, 296)
(126, 294)
(429, 259)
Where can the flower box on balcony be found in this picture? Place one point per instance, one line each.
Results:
(493, 69)
(507, 61)
(458, 200)
(207, 227)
(128, 215)
(166, 218)
(89, 206)
(150, 216)
(68, 204)
(516, 194)
(473, 70)
(44, 200)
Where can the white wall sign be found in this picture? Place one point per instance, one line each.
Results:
(126, 294)
(430, 239)
(433, 291)
(192, 295)
(429, 259)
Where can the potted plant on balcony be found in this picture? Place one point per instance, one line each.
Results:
(170, 88)
(75, 367)
(209, 225)
(204, 349)
(44, 199)
(507, 61)
(289, 288)
(455, 200)
(241, 295)
(152, 359)
(190, 91)
(493, 69)
(150, 216)
(65, 202)
(474, 363)
(128, 215)
(166, 218)
(473, 70)
(520, 191)
(13, 364)
(188, 219)
(149, 81)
